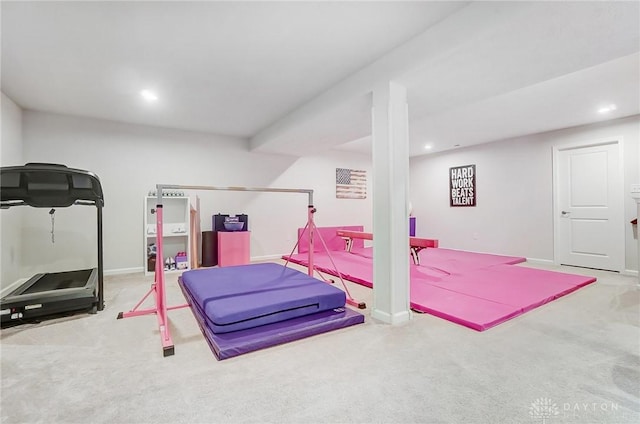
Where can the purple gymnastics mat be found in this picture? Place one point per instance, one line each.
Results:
(228, 345)
(239, 297)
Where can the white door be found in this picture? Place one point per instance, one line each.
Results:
(589, 230)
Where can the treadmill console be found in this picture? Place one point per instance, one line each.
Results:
(47, 185)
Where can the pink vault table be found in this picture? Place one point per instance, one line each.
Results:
(233, 248)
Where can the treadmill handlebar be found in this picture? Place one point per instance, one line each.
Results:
(44, 185)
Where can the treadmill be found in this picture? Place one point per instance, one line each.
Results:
(48, 295)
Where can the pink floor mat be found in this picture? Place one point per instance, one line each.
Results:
(476, 290)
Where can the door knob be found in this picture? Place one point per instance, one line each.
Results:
(565, 213)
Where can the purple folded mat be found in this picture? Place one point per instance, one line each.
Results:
(246, 296)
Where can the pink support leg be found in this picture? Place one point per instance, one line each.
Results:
(159, 292)
(311, 227)
(161, 298)
(350, 300)
(311, 267)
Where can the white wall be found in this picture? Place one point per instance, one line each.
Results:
(514, 213)
(10, 222)
(131, 159)
(513, 216)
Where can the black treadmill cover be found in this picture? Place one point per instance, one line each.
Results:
(48, 185)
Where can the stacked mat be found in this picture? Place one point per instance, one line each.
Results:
(476, 290)
(249, 307)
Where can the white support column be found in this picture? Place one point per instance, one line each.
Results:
(636, 196)
(638, 235)
(390, 125)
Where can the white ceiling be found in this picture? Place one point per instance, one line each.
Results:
(295, 77)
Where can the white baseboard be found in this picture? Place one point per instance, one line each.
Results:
(630, 272)
(387, 318)
(119, 271)
(265, 258)
(540, 261)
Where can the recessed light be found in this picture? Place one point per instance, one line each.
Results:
(428, 146)
(607, 109)
(149, 95)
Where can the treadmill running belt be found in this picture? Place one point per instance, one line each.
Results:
(59, 280)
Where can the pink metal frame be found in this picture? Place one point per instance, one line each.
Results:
(158, 290)
(158, 286)
(311, 267)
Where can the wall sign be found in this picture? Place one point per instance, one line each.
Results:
(462, 186)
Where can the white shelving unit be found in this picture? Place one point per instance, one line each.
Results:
(175, 229)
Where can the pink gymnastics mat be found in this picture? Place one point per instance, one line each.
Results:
(476, 290)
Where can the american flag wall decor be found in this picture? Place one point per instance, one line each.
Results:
(351, 184)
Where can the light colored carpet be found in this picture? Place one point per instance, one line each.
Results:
(574, 360)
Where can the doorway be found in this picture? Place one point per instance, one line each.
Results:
(589, 205)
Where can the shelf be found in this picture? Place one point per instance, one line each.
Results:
(168, 235)
(175, 227)
(172, 271)
(168, 197)
(176, 271)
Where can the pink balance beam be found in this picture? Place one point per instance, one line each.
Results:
(355, 234)
(422, 242)
(416, 244)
